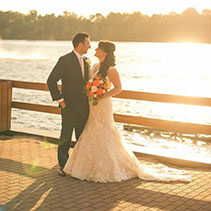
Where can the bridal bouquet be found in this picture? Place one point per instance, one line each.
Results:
(96, 88)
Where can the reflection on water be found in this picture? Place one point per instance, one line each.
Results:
(187, 150)
(164, 144)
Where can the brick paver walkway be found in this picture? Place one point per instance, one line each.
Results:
(29, 181)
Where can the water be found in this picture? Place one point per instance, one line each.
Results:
(172, 68)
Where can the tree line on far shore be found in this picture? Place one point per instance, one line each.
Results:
(187, 26)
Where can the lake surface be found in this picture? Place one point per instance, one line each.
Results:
(172, 68)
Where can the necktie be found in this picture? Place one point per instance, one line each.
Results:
(82, 65)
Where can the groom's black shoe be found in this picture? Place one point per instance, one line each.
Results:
(61, 173)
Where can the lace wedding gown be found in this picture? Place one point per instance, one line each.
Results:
(101, 156)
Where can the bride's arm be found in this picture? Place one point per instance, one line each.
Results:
(115, 79)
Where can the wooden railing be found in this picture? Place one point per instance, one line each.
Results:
(137, 120)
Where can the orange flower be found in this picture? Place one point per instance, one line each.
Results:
(96, 83)
(105, 86)
(91, 94)
(97, 77)
(88, 86)
(99, 91)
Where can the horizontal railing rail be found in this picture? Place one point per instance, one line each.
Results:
(131, 95)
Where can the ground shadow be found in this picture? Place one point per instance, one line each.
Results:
(49, 191)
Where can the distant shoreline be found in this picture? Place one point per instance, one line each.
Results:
(189, 26)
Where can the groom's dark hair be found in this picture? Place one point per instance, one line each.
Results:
(79, 38)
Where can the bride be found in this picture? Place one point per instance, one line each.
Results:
(100, 155)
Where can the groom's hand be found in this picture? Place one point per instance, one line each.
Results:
(62, 103)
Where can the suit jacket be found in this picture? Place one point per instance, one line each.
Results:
(69, 71)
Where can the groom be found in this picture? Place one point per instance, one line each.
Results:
(72, 70)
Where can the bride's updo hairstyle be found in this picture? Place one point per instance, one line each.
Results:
(109, 48)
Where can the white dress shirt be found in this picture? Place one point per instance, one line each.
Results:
(81, 61)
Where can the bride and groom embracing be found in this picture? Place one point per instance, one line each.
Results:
(99, 154)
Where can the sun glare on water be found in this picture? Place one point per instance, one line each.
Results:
(185, 68)
(178, 149)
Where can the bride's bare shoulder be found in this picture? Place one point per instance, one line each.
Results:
(112, 70)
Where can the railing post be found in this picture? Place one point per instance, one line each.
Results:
(5, 105)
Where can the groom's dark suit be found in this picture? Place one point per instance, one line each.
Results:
(75, 114)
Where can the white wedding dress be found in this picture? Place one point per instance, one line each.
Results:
(100, 155)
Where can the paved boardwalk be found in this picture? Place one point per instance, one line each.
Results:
(29, 181)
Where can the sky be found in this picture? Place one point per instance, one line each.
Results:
(91, 7)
